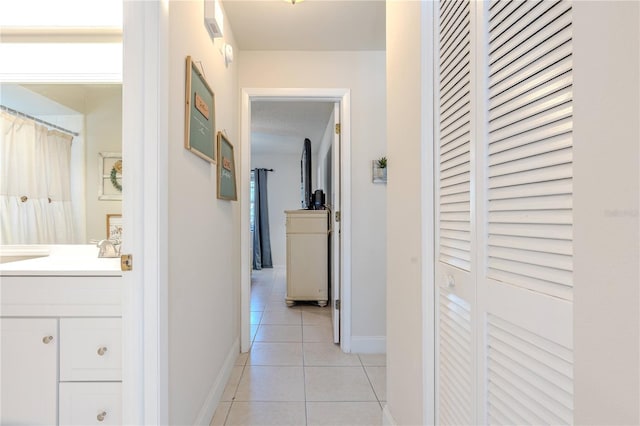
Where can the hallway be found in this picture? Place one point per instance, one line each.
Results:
(294, 374)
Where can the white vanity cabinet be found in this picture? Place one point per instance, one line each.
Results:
(29, 371)
(307, 256)
(61, 349)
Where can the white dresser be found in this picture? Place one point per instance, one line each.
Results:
(307, 256)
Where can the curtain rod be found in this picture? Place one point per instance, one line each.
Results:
(46, 123)
(269, 170)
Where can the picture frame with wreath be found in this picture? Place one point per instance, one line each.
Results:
(110, 176)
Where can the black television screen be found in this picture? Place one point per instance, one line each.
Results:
(305, 175)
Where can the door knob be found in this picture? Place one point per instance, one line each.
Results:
(47, 339)
(451, 282)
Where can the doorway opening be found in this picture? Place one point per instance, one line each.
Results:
(339, 155)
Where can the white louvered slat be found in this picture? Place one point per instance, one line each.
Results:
(530, 378)
(455, 198)
(536, 107)
(545, 131)
(560, 186)
(530, 146)
(504, 92)
(514, 34)
(541, 272)
(455, 360)
(508, 18)
(501, 274)
(454, 124)
(455, 226)
(536, 93)
(455, 136)
(535, 162)
(551, 144)
(539, 58)
(534, 258)
(561, 232)
(453, 152)
(545, 245)
(546, 174)
(532, 123)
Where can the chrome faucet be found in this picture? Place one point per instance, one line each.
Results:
(108, 249)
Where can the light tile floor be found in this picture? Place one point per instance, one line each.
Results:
(294, 373)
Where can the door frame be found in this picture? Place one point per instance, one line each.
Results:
(429, 28)
(343, 96)
(145, 102)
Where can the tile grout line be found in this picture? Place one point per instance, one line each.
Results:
(369, 380)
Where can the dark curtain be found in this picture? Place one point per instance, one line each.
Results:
(261, 234)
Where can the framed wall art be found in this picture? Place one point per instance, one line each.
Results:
(199, 120)
(110, 176)
(226, 170)
(114, 227)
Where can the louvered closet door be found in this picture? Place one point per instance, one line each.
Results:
(455, 292)
(525, 284)
(504, 352)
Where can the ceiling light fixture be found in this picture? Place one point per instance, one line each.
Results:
(294, 1)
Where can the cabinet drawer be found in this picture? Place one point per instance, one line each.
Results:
(308, 224)
(90, 349)
(90, 404)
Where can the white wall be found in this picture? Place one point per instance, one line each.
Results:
(103, 133)
(606, 150)
(405, 394)
(364, 74)
(203, 243)
(283, 185)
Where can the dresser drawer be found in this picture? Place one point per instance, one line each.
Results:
(308, 222)
(90, 404)
(90, 349)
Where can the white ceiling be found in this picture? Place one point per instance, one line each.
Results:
(310, 25)
(316, 25)
(280, 127)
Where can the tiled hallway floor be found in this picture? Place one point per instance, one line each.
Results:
(294, 374)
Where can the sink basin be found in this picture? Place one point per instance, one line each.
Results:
(14, 253)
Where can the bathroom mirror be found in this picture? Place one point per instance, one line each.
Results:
(92, 115)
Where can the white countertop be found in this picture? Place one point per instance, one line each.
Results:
(62, 260)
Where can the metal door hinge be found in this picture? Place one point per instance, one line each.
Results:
(126, 262)
(338, 128)
(338, 216)
(336, 304)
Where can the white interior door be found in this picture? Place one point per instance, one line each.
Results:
(335, 226)
(525, 277)
(455, 289)
(504, 339)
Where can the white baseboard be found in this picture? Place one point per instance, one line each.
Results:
(369, 344)
(215, 393)
(387, 418)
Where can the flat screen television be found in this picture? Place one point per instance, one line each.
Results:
(305, 175)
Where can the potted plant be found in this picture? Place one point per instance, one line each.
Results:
(380, 170)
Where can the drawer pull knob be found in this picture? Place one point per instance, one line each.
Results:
(101, 416)
(102, 350)
(47, 339)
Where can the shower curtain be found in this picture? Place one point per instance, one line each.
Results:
(35, 185)
(261, 234)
